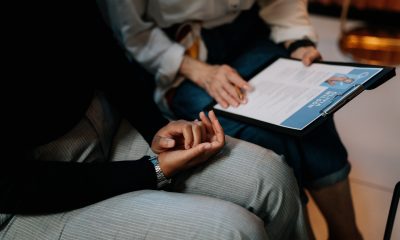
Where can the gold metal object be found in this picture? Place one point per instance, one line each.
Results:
(369, 44)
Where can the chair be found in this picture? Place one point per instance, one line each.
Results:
(392, 213)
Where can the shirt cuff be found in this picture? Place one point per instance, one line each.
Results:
(170, 63)
(279, 34)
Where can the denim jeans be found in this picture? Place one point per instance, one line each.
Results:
(319, 159)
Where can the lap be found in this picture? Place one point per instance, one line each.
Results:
(242, 177)
(237, 172)
(226, 175)
(243, 173)
(143, 214)
(252, 177)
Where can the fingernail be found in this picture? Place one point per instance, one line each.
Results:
(170, 142)
(249, 88)
(207, 146)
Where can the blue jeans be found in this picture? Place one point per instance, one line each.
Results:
(319, 159)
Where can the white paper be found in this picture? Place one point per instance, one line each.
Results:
(285, 88)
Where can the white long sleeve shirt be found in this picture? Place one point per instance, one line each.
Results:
(138, 25)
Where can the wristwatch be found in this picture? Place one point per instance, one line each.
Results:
(305, 42)
(162, 181)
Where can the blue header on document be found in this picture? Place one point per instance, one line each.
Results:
(337, 86)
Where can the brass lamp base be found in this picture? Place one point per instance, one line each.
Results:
(372, 45)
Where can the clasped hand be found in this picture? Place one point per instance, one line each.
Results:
(182, 144)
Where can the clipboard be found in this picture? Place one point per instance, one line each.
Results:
(312, 110)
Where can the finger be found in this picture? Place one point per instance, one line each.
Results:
(230, 95)
(310, 56)
(165, 142)
(203, 133)
(315, 55)
(234, 91)
(237, 80)
(187, 135)
(218, 130)
(160, 144)
(306, 59)
(207, 123)
(221, 101)
(173, 128)
(203, 130)
(174, 161)
(198, 154)
(196, 129)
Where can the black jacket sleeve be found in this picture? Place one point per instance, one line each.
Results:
(31, 187)
(70, 51)
(129, 88)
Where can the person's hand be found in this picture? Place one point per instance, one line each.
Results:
(220, 81)
(179, 158)
(178, 134)
(306, 54)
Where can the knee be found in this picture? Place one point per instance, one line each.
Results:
(273, 172)
(231, 221)
(273, 169)
(266, 167)
(262, 170)
(275, 183)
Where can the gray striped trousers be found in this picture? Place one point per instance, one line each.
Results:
(244, 192)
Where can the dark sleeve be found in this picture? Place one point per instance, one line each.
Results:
(31, 187)
(129, 88)
(135, 103)
(71, 51)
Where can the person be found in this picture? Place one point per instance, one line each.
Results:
(199, 52)
(339, 80)
(59, 178)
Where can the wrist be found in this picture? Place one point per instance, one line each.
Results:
(292, 46)
(162, 180)
(191, 69)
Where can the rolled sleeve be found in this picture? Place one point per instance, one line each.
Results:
(143, 40)
(288, 20)
(169, 65)
(281, 34)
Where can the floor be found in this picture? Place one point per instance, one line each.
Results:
(370, 128)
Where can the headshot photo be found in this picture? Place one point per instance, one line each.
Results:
(338, 81)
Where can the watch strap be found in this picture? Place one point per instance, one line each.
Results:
(162, 181)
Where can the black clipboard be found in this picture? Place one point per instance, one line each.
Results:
(381, 77)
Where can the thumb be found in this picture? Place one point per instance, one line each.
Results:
(166, 142)
(175, 161)
(196, 151)
(161, 144)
